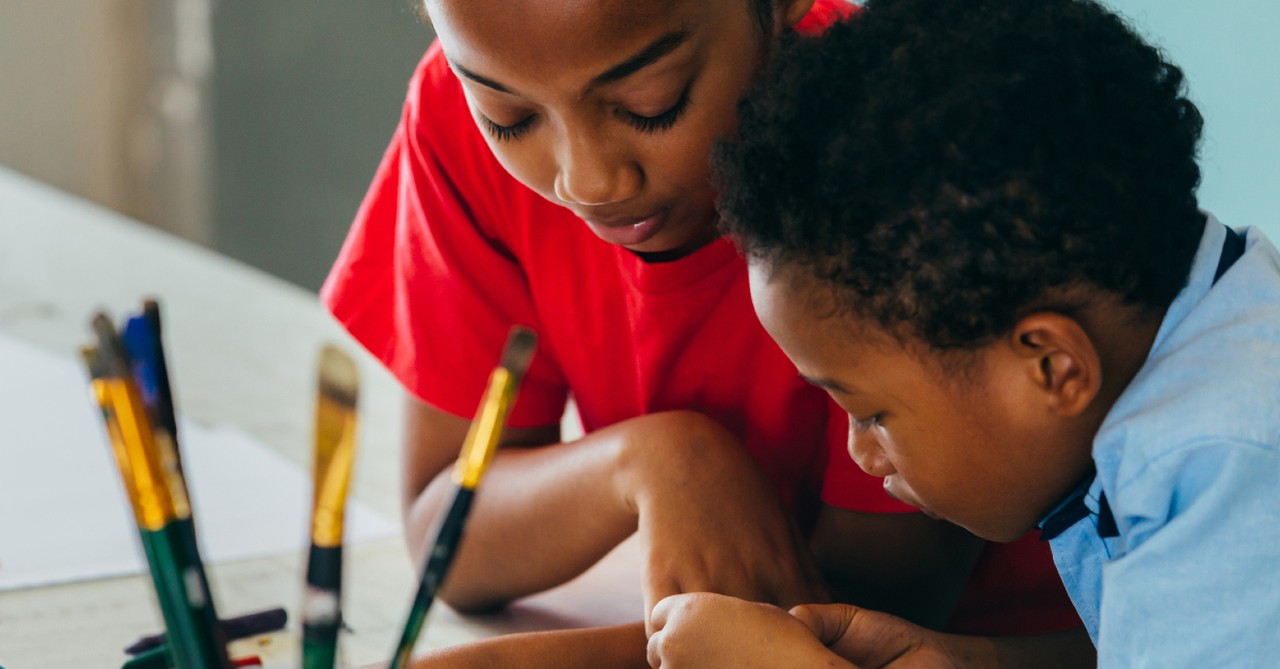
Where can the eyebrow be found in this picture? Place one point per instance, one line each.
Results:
(643, 58)
(479, 79)
(650, 54)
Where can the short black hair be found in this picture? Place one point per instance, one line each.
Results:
(946, 165)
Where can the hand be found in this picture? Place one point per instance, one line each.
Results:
(709, 519)
(620, 647)
(870, 639)
(706, 630)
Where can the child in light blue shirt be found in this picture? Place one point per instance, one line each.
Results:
(1176, 544)
(974, 223)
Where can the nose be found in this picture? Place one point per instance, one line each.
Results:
(865, 450)
(595, 171)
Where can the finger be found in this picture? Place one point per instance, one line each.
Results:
(828, 622)
(653, 652)
(663, 610)
(657, 589)
(864, 637)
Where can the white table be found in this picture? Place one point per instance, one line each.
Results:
(243, 347)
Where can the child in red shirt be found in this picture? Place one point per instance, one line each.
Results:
(551, 170)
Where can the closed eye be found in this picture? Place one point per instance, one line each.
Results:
(661, 121)
(508, 133)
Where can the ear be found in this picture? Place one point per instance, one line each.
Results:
(1061, 360)
(787, 13)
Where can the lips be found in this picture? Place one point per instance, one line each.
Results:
(894, 490)
(628, 231)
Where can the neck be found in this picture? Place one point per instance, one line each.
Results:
(1123, 335)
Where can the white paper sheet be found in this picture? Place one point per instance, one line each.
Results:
(64, 515)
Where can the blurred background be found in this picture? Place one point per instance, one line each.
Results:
(249, 126)
(254, 126)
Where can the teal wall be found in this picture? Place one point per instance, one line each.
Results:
(1230, 52)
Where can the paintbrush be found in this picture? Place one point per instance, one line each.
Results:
(144, 348)
(147, 460)
(477, 451)
(335, 446)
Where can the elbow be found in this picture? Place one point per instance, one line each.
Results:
(472, 603)
(463, 592)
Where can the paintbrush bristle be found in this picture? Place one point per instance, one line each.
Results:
(111, 354)
(338, 378)
(516, 355)
(92, 362)
(151, 310)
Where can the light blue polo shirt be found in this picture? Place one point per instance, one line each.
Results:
(1189, 460)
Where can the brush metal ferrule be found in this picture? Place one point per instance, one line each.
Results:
(141, 465)
(486, 430)
(335, 445)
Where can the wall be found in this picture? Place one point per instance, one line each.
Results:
(305, 96)
(1230, 52)
(70, 90)
(253, 127)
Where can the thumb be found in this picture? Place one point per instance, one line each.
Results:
(828, 622)
(864, 637)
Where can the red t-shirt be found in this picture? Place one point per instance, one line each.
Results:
(448, 251)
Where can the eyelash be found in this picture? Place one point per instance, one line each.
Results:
(647, 124)
(662, 121)
(508, 133)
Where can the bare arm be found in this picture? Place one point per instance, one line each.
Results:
(707, 517)
(528, 529)
(620, 647)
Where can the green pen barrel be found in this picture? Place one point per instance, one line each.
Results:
(195, 637)
(203, 612)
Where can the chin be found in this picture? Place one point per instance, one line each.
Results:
(678, 243)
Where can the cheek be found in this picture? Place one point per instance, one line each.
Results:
(922, 470)
(683, 154)
(530, 160)
(679, 158)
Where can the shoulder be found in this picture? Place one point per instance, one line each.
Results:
(435, 99)
(1200, 419)
(1213, 372)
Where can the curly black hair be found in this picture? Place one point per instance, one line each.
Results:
(948, 165)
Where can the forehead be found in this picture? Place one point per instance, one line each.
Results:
(570, 39)
(789, 292)
(798, 311)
